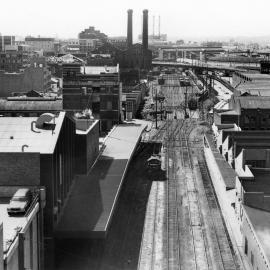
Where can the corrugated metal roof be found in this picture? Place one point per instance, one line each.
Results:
(254, 102)
(16, 132)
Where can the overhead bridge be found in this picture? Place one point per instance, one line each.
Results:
(200, 66)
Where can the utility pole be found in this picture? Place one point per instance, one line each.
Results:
(156, 108)
(186, 116)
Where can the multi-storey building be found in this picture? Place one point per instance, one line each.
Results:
(13, 61)
(92, 33)
(32, 78)
(39, 43)
(6, 42)
(95, 88)
(248, 112)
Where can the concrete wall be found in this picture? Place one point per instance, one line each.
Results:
(260, 260)
(25, 249)
(19, 169)
(258, 154)
(12, 263)
(31, 246)
(225, 197)
(1, 247)
(87, 149)
(92, 145)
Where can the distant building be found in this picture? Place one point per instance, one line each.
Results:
(13, 61)
(248, 112)
(133, 99)
(31, 78)
(137, 56)
(100, 60)
(88, 45)
(91, 38)
(29, 106)
(91, 33)
(254, 84)
(6, 42)
(95, 88)
(39, 43)
(119, 42)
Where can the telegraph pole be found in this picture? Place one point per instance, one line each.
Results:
(156, 108)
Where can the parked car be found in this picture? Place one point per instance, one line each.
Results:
(20, 201)
(154, 161)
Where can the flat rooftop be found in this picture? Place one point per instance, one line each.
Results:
(254, 102)
(96, 70)
(16, 132)
(257, 76)
(227, 172)
(261, 223)
(28, 105)
(94, 197)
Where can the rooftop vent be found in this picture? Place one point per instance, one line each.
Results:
(46, 121)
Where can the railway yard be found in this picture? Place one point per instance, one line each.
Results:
(164, 219)
(184, 227)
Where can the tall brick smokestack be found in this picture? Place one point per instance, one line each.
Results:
(129, 28)
(145, 30)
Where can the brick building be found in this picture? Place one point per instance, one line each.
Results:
(40, 43)
(95, 88)
(29, 106)
(136, 56)
(39, 152)
(6, 41)
(32, 78)
(248, 112)
(13, 61)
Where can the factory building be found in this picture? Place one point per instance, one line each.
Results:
(248, 112)
(136, 56)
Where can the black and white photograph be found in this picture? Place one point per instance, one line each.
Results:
(135, 135)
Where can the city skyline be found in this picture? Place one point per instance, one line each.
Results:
(192, 19)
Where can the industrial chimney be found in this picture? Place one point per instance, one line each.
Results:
(129, 28)
(145, 30)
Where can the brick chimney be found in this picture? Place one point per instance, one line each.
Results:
(145, 30)
(129, 28)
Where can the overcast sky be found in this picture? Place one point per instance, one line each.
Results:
(179, 18)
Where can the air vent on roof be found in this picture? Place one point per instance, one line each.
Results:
(46, 120)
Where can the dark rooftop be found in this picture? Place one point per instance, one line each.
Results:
(261, 183)
(31, 105)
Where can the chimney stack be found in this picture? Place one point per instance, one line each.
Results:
(145, 29)
(129, 28)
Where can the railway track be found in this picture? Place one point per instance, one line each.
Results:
(196, 236)
(225, 248)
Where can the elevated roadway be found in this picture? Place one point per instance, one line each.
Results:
(195, 65)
